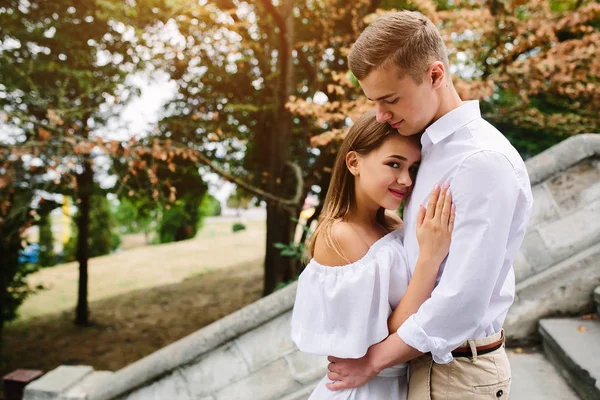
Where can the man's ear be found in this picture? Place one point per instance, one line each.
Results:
(437, 73)
(353, 163)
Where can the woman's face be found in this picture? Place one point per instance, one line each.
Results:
(386, 175)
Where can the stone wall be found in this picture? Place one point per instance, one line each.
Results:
(566, 214)
(249, 354)
(558, 265)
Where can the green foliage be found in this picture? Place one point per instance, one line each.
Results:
(238, 226)
(126, 215)
(16, 214)
(47, 257)
(102, 227)
(18, 291)
(181, 220)
(63, 70)
(528, 139)
(295, 250)
(168, 192)
(115, 240)
(13, 285)
(240, 199)
(210, 207)
(65, 56)
(104, 236)
(69, 252)
(133, 215)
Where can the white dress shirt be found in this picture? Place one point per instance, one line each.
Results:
(492, 193)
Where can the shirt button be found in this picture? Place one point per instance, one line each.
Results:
(499, 393)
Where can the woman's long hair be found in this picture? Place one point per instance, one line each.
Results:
(363, 137)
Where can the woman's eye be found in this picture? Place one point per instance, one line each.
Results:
(413, 170)
(394, 165)
(393, 102)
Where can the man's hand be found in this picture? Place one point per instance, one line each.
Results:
(350, 372)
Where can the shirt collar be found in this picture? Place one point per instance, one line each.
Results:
(451, 122)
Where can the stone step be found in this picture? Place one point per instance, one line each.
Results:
(66, 383)
(534, 377)
(573, 345)
(597, 299)
(56, 382)
(81, 390)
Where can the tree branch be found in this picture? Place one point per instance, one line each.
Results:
(279, 21)
(288, 203)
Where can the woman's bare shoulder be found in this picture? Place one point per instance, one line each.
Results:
(351, 246)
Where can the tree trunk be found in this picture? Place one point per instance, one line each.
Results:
(281, 181)
(85, 184)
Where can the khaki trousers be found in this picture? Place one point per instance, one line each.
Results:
(480, 377)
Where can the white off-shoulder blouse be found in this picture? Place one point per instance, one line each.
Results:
(341, 311)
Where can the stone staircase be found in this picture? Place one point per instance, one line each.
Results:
(573, 346)
(570, 365)
(567, 369)
(534, 378)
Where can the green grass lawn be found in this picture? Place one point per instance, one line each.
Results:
(140, 300)
(214, 248)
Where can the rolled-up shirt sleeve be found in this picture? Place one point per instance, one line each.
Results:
(485, 190)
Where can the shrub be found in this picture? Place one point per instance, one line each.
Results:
(238, 226)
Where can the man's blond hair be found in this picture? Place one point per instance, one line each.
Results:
(406, 40)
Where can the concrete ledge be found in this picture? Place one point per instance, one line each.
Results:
(80, 390)
(56, 382)
(562, 156)
(185, 351)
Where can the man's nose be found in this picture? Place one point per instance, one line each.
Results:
(381, 114)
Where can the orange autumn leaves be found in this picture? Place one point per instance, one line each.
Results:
(522, 48)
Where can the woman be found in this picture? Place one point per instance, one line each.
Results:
(355, 290)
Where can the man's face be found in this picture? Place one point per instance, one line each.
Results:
(405, 105)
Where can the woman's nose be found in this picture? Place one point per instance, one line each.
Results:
(405, 179)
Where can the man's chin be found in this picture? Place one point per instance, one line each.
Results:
(406, 132)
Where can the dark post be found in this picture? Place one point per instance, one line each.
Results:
(15, 382)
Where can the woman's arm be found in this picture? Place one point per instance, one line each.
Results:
(420, 288)
(434, 229)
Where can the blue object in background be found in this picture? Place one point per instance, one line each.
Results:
(30, 254)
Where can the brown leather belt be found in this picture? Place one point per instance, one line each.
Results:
(488, 348)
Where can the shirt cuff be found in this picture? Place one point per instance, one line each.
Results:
(414, 336)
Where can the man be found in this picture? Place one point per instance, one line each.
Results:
(455, 339)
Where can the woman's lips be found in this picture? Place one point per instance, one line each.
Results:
(397, 124)
(399, 194)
